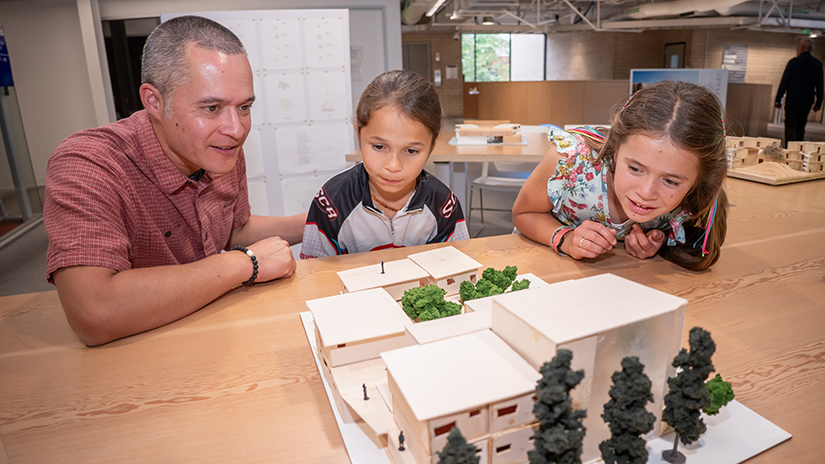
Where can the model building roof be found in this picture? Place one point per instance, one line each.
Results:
(357, 316)
(458, 374)
(576, 309)
(444, 262)
(362, 278)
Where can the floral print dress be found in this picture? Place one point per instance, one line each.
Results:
(578, 191)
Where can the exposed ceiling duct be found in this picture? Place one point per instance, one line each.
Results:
(651, 10)
(414, 10)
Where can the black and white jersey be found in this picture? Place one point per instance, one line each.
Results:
(343, 219)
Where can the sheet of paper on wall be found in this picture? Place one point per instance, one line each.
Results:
(302, 149)
(284, 37)
(452, 72)
(299, 191)
(257, 196)
(356, 57)
(253, 153)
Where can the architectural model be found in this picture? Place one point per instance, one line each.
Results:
(744, 152)
(447, 267)
(478, 371)
(395, 277)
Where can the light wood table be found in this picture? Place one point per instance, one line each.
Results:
(236, 382)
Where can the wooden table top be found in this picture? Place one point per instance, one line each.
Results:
(236, 380)
(533, 152)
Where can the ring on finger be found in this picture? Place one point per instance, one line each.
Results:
(581, 243)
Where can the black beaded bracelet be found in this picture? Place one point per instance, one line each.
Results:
(254, 263)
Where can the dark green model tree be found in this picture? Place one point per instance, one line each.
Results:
(626, 415)
(457, 450)
(688, 394)
(721, 393)
(561, 433)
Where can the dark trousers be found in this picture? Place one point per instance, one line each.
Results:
(795, 119)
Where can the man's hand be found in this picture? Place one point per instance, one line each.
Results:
(777, 105)
(643, 245)
(589, 240)
(274, 257)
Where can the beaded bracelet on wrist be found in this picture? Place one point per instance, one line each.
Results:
(254, 263)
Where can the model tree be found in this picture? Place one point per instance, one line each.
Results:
(428, 303)
(688, 394)
(493, 282)
(721, 393)
(561, 433)
(626, 415)
(457, 450)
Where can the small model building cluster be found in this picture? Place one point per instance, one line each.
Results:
(510, 381)
(484, 132)
(744, 152)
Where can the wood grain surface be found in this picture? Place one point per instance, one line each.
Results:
(236, 380)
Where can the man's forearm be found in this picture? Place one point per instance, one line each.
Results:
(289, 228)
(103, 305)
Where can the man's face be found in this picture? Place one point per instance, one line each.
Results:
(209, 117)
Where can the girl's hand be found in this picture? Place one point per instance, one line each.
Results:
(643, 245)
(589, 240)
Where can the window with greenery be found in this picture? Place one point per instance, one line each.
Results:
(502, 57)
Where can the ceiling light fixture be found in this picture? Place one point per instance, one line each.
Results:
(487, 21)
(434, 8)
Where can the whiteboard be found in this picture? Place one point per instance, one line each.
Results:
(302, 115)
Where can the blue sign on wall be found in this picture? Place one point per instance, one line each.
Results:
(5, 65)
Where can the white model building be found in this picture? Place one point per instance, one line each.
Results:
(478, 371)
(601, 319)
(475, 382)
(398, 277)
(447, 267)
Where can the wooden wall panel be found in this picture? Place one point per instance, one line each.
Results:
(748, 109)
(547, 102)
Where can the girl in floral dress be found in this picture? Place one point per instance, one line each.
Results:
(654, 182)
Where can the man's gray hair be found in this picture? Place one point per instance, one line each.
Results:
(808, 43)
(164, 63)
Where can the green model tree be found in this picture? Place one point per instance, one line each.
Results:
(721, 393)
(457, 450)
(493, 282)
(561, 433)
(427, 303)
(688, 394)
(626, 415)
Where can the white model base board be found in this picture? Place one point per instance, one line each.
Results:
(733, 436)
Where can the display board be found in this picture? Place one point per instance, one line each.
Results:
(301, 118)
(715, 80)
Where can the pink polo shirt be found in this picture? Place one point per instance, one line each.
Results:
(114, 199)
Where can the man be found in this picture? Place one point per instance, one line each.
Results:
(802, 79)
(138, 211)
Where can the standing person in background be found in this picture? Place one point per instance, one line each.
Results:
(139, 211)
(802, 80)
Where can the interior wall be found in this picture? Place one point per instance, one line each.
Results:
(48, 62)
(449, 53)
(580, 56)
(52, 75)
